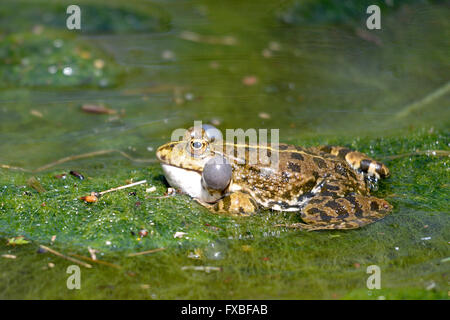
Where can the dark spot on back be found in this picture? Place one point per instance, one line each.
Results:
(297, 156)
(315, 211)
(343, 152)
(338, 208)
(374, 206)
(286, 195)
(308, 186)
(296, 189)
(315, 201)
(324, 217)
(358, 210)
(339, 168)
(326, 149)
(364, 165)
(320, 162)
(283, 147)
(293, 167)
(331, 187)
(328, 193)
(351, 199)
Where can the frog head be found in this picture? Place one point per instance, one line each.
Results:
(183, 163)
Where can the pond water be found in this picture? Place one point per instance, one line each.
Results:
(310, 69)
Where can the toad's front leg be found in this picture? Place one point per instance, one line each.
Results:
(236, 203)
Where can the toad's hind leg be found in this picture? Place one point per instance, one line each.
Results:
(358, 161)
(349, 212)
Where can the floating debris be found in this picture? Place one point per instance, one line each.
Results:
(168, 55)
(123, 187)
(197, 254)
(36, 185)
(51, 265)
(171, 191)
(264, 115)
(56, 253)
(77, 175)
(274, 46)
(67, 71)
(36, 113)
(97, 109)
(430, 286)
(91, 198)
(207, 269)
(195, 37)
(9, 256)
(425, 238)
(250, 80)
(215, 122)
(151, 189)
(143, 233)
(93, 253)
(17, 241)
(99, 63)
(60, 176)
(179, 234)
(109, 264)
(145, 252)
(267, 53)
(41, 250)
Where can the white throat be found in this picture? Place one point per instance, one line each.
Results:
(188, 181)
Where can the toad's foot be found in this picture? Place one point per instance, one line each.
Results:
(349, 212)
(357, 160)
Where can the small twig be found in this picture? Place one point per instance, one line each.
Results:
(89, 155)
(109, 264)
(145, 252)
(77, 157)
(5, 166)
(207, 269)
(423, 102)
(56, 253)
(439, 153)
(123, 187)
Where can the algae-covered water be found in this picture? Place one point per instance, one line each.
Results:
(311, 69)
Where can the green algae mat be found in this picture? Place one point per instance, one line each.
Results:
(83, 111)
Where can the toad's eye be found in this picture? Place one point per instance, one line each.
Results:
(196, 145)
